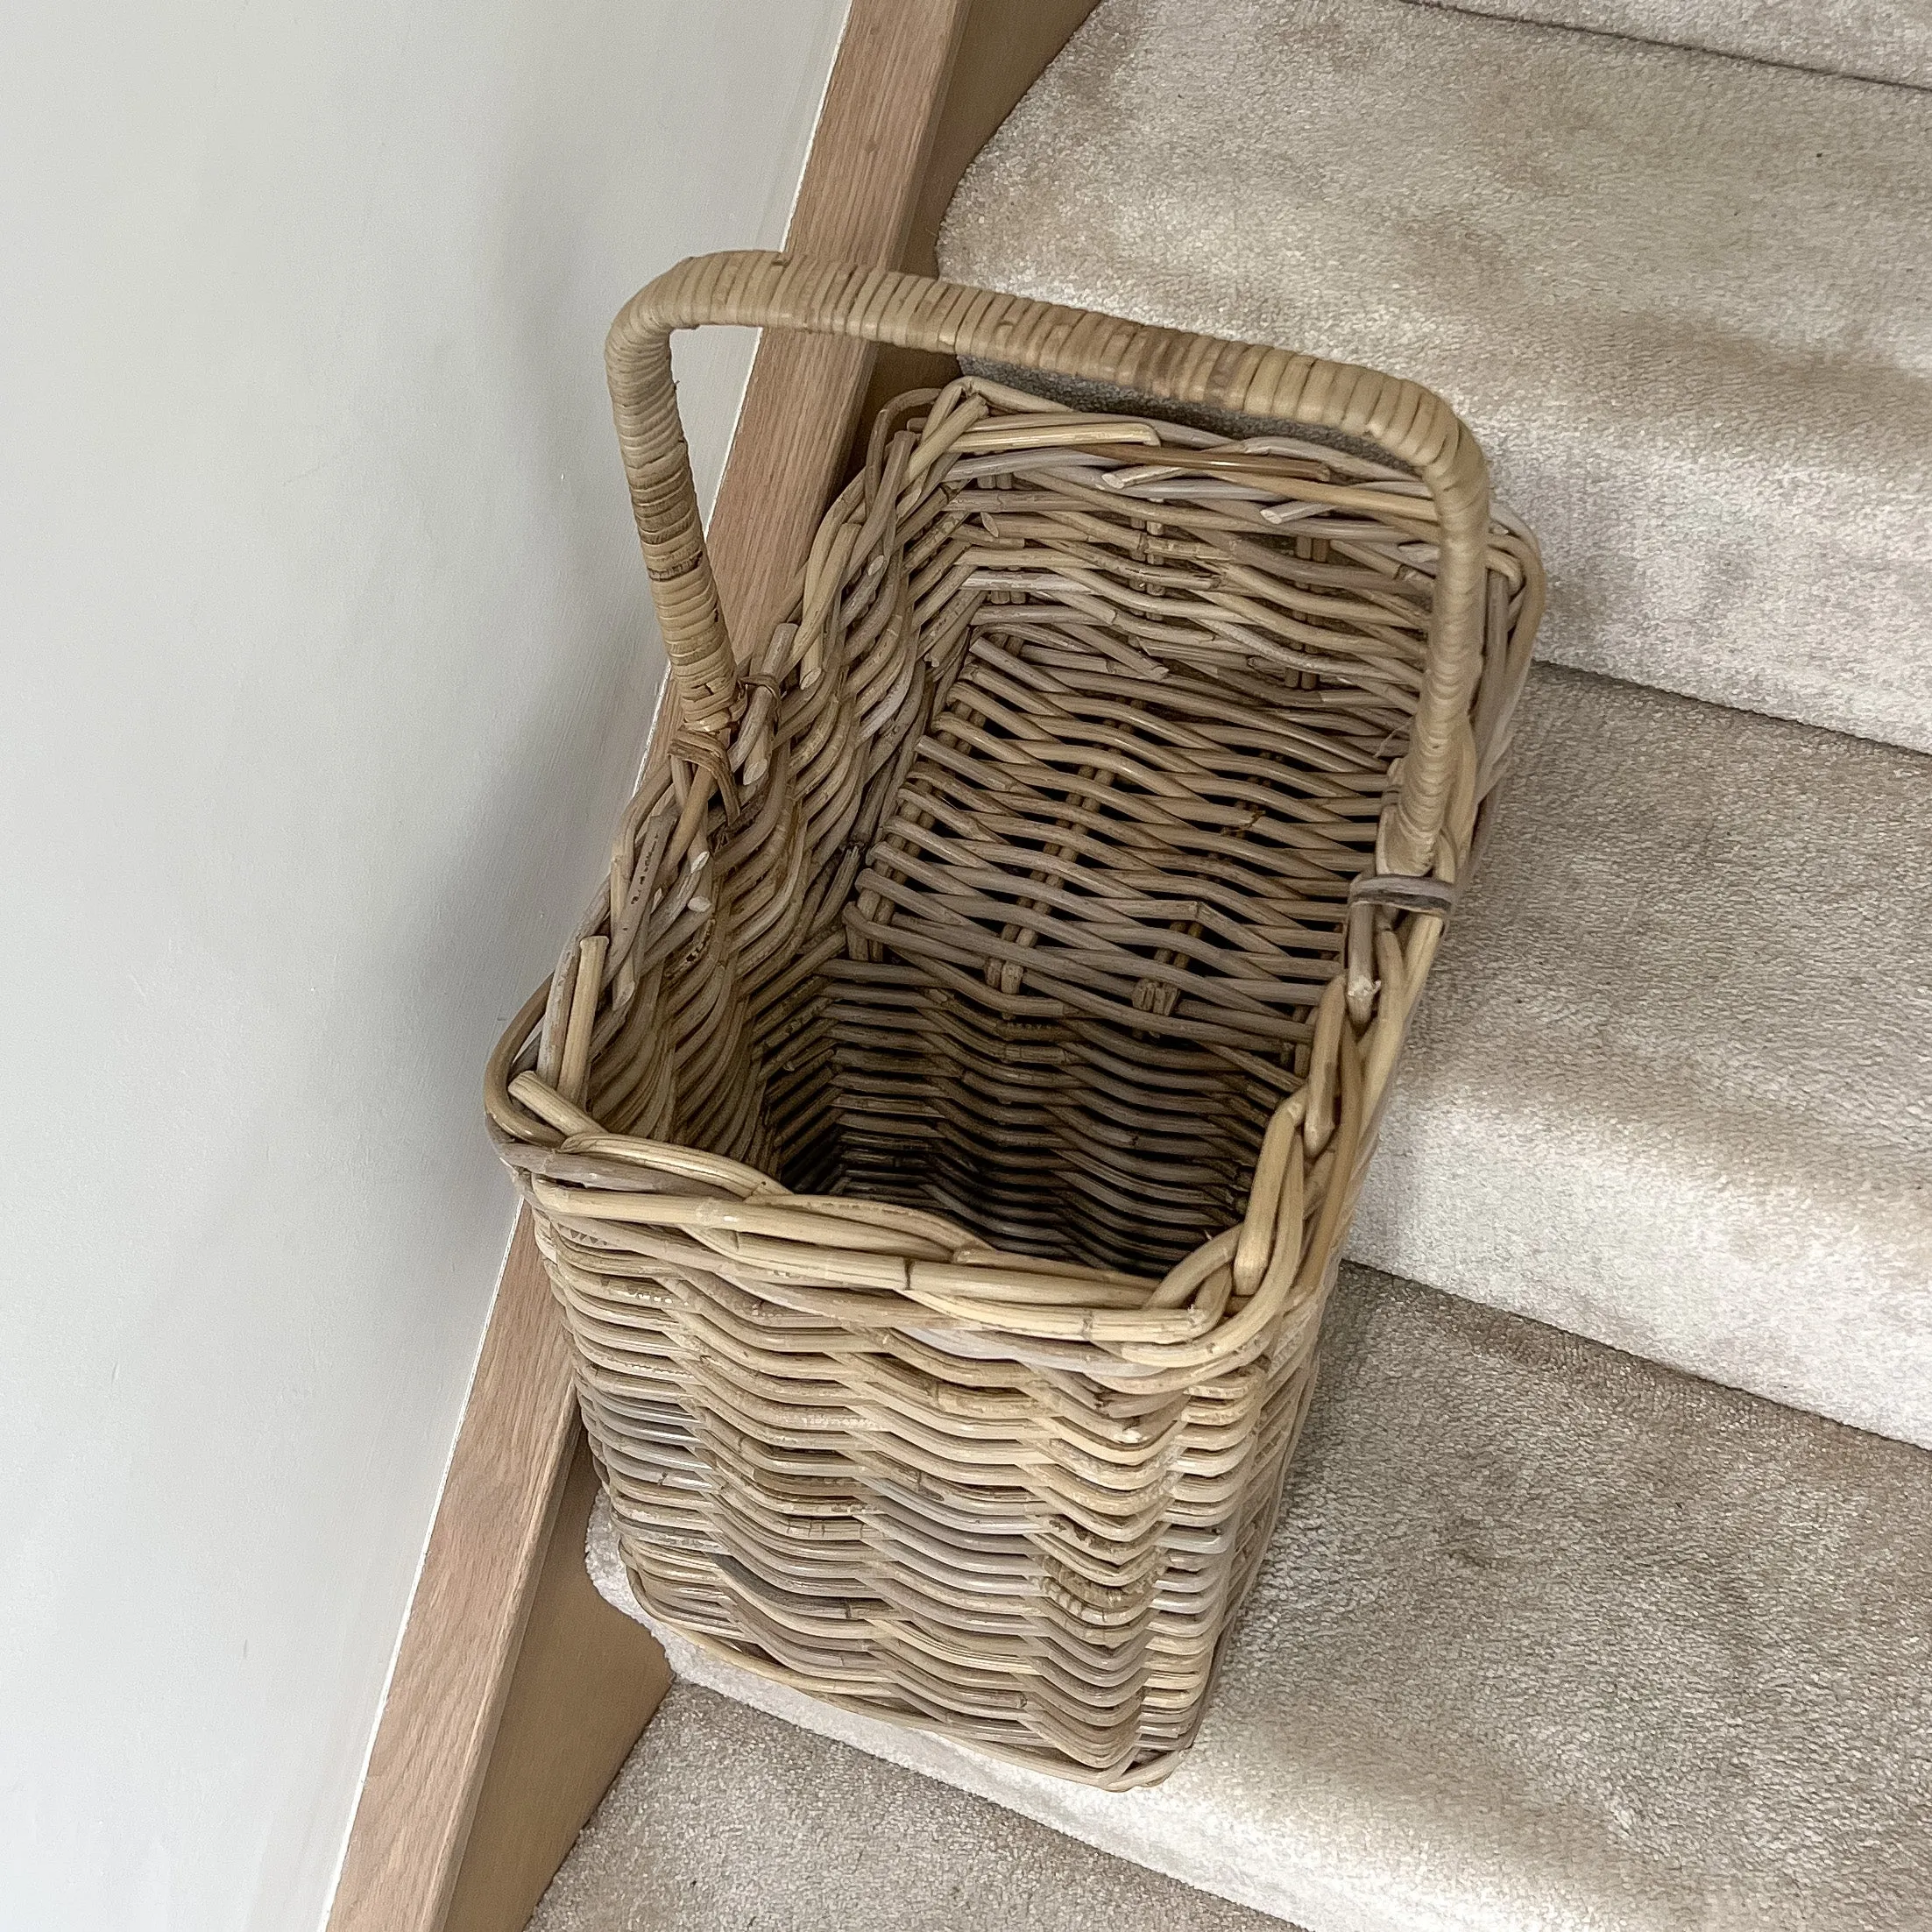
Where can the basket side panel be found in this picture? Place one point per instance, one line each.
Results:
(979, 1546)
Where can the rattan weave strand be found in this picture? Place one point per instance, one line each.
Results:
(942, 1128)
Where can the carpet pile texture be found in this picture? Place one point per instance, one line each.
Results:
(1879, 40)
(727, 1820)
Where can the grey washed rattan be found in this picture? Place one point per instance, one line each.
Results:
(942, 1128)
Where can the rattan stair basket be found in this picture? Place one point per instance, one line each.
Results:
(942, 1128)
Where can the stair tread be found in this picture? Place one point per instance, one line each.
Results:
(1550, 1637)
(1877, 39)
(1680, 297)
(1670, 1085)
(725, 1818)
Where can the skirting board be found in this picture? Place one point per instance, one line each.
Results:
(918, 88)
(459, 1647)
(587, 1681)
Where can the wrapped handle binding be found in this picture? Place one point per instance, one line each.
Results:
(761, 290)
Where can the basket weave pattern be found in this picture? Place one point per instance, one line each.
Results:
(943, 1127)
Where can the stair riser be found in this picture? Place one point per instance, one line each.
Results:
(1668, 1089)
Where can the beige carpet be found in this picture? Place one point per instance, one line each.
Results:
(725, 1819)
(1881, 39)
(1672, 1084)
(1683, 299)
(1551, 1639)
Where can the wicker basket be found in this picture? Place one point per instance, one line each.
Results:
(1042, 905)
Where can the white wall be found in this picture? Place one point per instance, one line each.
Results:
(326, 669)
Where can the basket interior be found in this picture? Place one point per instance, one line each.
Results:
(1094, 988)
(1127, 695)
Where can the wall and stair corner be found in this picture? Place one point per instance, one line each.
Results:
(326, 671)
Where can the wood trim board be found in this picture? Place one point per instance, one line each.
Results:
(856, 202)
(512, 1705)
(459, 1647)
(1004, 47)
(587, 1681)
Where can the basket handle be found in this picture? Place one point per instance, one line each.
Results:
(758, 290)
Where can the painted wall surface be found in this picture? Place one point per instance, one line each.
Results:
(326, 666)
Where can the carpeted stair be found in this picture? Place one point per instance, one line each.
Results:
(727, 1820)
(1683, 299)
(1671, 1085)
(1557, 1636)
(1550, 1638)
